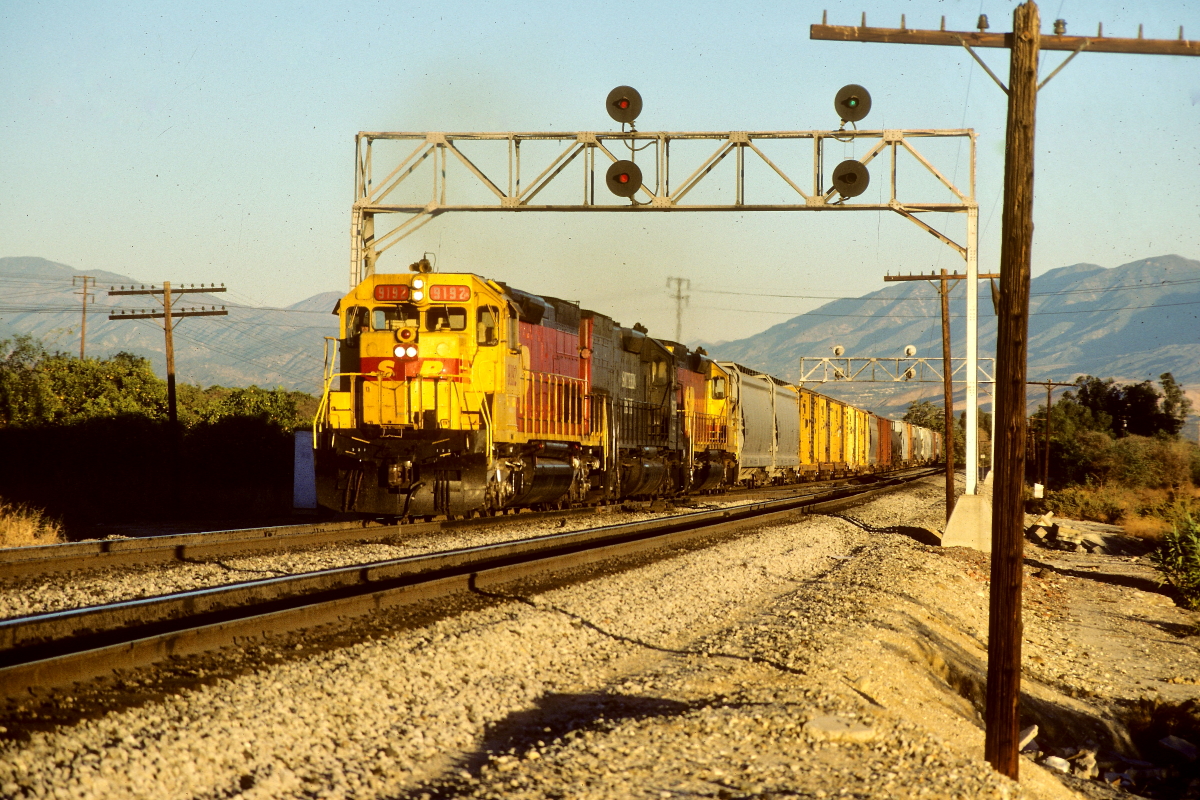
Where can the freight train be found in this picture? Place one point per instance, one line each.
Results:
(452, 394)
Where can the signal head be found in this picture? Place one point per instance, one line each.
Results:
(624, 104)
(624, 178)
(852, 103)
(851, 178)
(838, 350)
(910, 350)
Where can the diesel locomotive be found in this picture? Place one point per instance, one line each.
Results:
(453, 394)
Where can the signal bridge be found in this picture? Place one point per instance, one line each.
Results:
(848, 369)
(432, 173)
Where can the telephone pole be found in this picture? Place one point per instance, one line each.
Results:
(943, 287)
(83, 324)
(680, 300)
(1046, 436)
(166, 296)
(1004, 616)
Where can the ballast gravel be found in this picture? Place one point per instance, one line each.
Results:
(823, 658)
(57, 592)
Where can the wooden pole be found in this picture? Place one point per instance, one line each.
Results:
(1004, 618)
(947, 394)
(1008, 442)
(1046, 437)
(83, 321)
(168, 326)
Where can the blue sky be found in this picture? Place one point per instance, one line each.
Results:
(214, 142)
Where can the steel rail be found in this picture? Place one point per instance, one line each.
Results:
(58, 648)
(145, 550)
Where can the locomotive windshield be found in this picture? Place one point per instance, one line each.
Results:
(391, 318)
(446, 318)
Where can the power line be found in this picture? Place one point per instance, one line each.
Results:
(1123, 287)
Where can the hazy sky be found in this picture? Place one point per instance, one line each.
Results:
(214, 142)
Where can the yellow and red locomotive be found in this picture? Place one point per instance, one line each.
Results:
(452, 394)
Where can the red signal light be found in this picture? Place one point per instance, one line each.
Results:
(624, 178)
(624, 104)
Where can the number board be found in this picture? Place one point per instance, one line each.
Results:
(391, 292)
(445, 293)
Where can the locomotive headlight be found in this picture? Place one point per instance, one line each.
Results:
(398, 351)
(418, 295)
(418, 283)
(411, 352)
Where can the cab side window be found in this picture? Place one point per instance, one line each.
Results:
(514, 331)
(358, 320)
(658, 372)
(446, 318)
(718, 388)
(487, 326)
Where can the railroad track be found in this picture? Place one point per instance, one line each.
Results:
(58, 648)
(17, 562)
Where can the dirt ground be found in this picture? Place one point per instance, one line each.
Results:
(833, 656)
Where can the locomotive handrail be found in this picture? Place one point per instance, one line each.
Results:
(543, 410)
(323, 406)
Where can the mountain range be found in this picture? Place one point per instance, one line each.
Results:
(252, 345)
(1130, 323)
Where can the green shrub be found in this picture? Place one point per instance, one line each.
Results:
(1153, 463)
(1178, 558)
(1099, 503)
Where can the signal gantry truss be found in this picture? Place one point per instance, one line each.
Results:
(845, 369)
(420, 184)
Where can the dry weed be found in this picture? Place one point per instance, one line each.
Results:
(22, 526)
(1150, 529)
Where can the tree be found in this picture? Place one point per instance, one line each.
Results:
(925, 414)
(1175, 406)
(1117, 410)
(91, 387)
(26, 396)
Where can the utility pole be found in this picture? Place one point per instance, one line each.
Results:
(1004, 617)
(943, 287)
(166, 296)
(680, 300)
(1046, 436)
(83, 324)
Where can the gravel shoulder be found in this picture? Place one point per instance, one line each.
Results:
(834, 656)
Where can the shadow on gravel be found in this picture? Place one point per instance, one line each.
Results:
(585, 623)
(922, 535)
(966, 674)
(1131, 581)
(555, 717)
